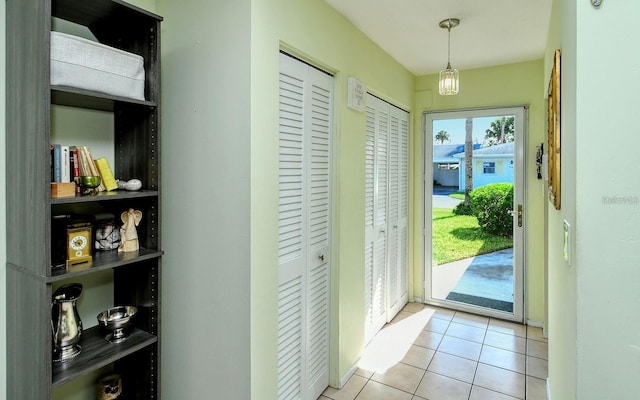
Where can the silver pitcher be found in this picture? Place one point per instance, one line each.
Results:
(65, 322)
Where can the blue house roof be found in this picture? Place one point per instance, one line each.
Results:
(441, 151)
(505, 149)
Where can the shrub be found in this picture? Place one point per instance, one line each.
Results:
(492, 205)
(461, 209)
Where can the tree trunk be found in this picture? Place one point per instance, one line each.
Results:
(468, 158)
(502, 124)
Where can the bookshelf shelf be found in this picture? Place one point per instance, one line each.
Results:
(74, 97)
(97, 352)
(102, 261)
(106, 196)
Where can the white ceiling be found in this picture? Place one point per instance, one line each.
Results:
(491, 32)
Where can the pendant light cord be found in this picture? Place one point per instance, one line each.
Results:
(449, 47)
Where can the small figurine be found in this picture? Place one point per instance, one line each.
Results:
(128, 233)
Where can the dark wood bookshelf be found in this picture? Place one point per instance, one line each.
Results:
(136, 136)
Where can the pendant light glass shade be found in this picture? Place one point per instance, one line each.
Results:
(449, 77)
(449, 81)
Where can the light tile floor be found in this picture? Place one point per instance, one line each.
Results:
(438, 354)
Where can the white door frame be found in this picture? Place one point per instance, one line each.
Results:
(520, 195)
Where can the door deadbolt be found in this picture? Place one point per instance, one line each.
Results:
(519, 215)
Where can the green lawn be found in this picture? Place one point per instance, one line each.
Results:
(457, 195)
(458, 236)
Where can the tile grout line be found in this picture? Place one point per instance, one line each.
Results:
(526, 361)
(478, 363)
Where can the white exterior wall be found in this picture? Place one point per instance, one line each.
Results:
(445, 177)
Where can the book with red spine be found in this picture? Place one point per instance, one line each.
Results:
(76, 163)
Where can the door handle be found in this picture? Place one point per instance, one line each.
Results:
(321, 257)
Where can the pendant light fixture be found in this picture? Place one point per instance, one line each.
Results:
(449, 77)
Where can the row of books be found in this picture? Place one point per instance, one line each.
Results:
(71, 162)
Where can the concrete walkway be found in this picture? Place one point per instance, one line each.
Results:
(487, 275)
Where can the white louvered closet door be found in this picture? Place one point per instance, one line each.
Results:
(376, 153)
(398, 234)
(304, 230)
(386, 213)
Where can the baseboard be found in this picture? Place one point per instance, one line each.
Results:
(548, 390)
(349, 374)
(535, 324)
(418, 300)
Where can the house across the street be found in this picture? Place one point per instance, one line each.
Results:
(493, 164)
(446, 164)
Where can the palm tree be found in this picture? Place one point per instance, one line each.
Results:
(468, 161)
(500, 131)
(442, 136)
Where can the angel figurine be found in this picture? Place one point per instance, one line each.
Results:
(128, 233)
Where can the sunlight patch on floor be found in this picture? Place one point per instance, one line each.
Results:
(392, 343)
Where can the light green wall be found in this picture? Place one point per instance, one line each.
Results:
(506, 85)
(594, 348)
(312, 30)
(562, 279)
(206, 185)
(608, 233)
(264, 202)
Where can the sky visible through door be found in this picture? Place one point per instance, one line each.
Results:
(456, 128)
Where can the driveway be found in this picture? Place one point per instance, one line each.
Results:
(441, 197)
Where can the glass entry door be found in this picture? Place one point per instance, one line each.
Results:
(474, 210)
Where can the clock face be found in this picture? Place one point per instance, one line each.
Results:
(78, 242)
